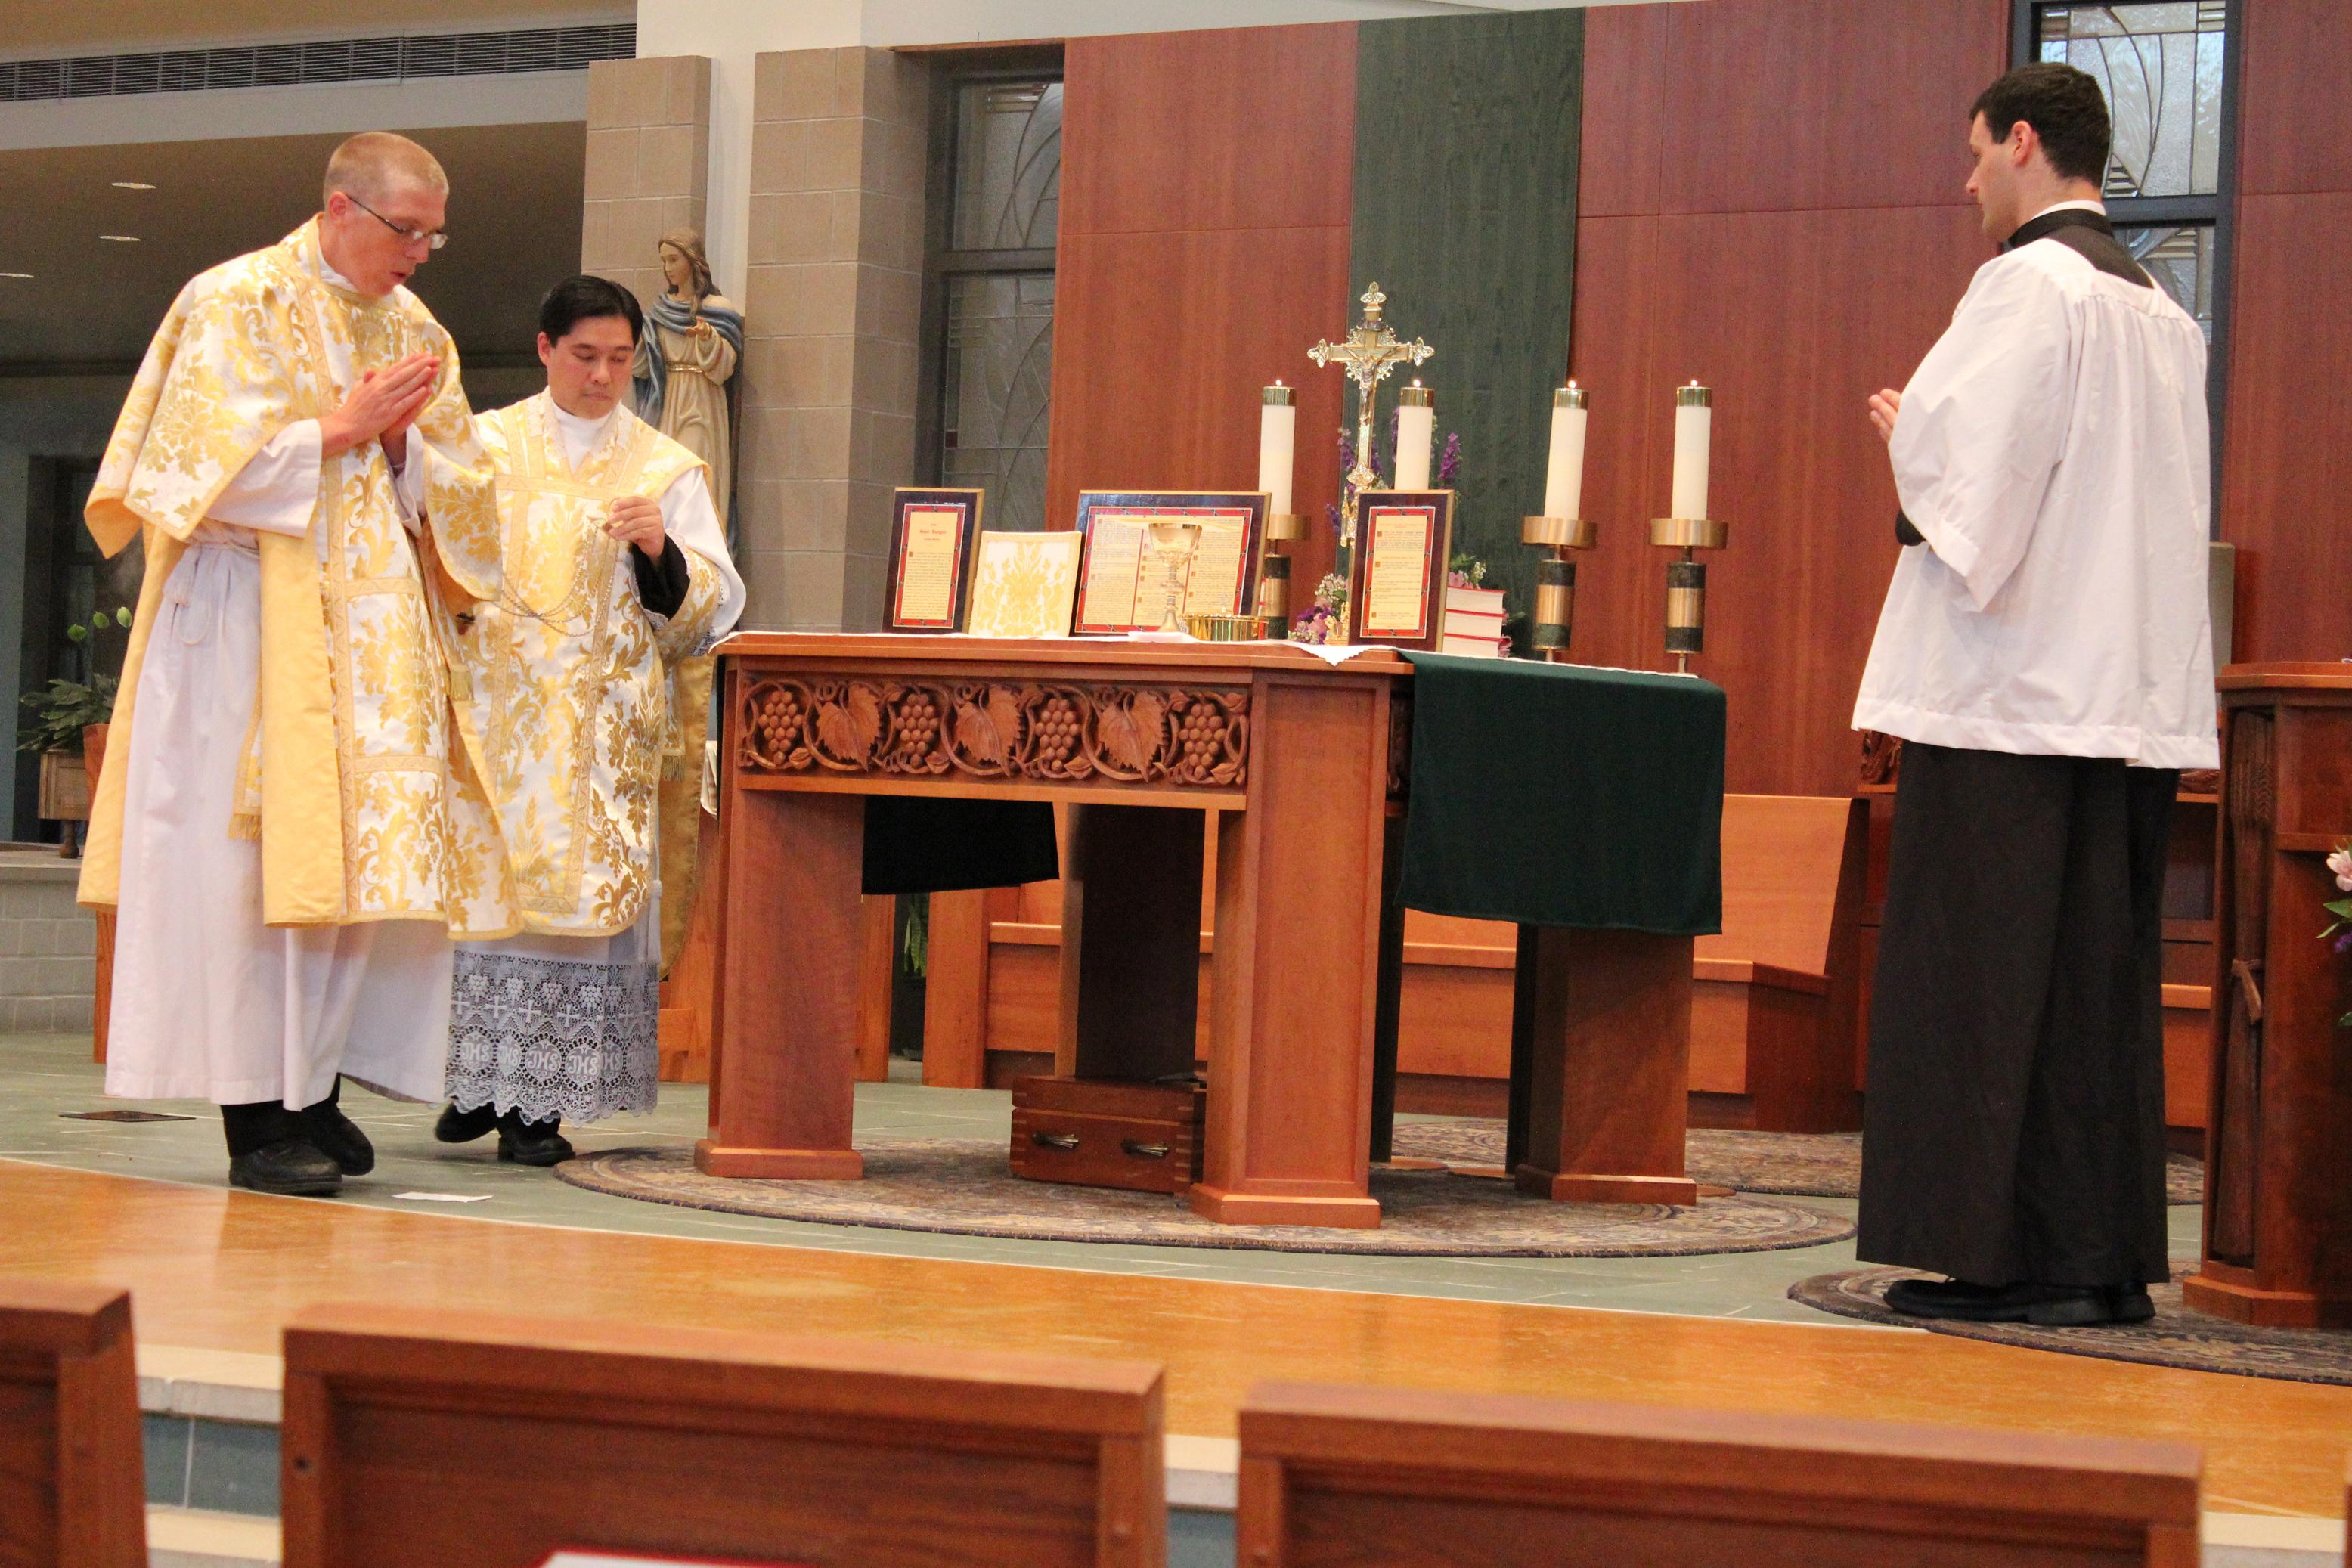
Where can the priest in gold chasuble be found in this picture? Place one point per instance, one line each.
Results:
(286, 840)
(614, 569)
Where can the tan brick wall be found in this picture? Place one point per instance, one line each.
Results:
(834, 312)
(648, 163)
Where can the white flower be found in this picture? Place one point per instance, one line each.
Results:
(2341, 864)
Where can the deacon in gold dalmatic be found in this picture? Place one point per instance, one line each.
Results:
(613, 570)
(287, 840)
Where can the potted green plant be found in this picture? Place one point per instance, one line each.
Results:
(69, 727)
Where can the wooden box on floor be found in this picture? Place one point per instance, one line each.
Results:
(1379, 1476)
(1100, 1132)
(73, 1485)
(472, 1441)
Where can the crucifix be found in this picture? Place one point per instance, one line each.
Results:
(1369, 351)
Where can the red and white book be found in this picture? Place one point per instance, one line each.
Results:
(1477, 601)
(1473, 648)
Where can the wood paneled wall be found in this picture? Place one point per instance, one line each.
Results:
(1773, 203)
(1204, 246)
(2286, 500)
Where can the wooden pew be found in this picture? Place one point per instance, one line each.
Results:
(73, 1482)
(1365, 1475)
(467, 1440)
(1774, 1004)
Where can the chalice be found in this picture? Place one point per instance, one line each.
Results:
(1175, 543)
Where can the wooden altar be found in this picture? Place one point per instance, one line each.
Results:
(1304, 763)
(2278, 1143)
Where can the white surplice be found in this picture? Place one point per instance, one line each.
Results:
(209, 1003)
(562, 1027)
(2052, 450)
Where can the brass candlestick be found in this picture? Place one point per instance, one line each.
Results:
(1281, 527)
(1369, 351)
(1686, 578)
(1554, 621)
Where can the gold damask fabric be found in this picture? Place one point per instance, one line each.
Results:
(563, 676)
(347, 780)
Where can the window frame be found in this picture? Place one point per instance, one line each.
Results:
(2218, 211)
(942, 264)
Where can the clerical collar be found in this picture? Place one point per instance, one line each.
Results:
(580, 424)
(2066, 215)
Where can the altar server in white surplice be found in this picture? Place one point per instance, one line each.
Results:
(616, 570)
(2046, 658)
(283, 837)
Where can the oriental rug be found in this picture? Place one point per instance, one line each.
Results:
(964, 1186)
(1795, 1165)
(2175, 1337)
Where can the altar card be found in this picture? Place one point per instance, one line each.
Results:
(1022, 584)
(1123, 579)
(1396, 583)
(932, 537)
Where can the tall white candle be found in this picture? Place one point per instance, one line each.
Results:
(1416, 429)
(1693, 430)
(1564, 469)
(1277, 446)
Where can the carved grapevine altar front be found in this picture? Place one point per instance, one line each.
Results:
(1027, 730)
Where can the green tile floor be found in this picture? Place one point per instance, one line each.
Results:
(43, 1077)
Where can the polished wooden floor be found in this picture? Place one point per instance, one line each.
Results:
(222, 1270)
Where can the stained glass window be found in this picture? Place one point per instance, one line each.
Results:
(2159, 63)
(1008, 166)
(994, 293)
(2180, 259)
(999, 355)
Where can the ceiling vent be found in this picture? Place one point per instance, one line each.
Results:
(318, 61)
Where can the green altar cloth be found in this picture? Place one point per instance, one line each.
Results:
(1554, 794)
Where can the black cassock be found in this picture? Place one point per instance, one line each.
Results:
(2014, 1125)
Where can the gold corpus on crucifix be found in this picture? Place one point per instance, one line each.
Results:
(1368, 352)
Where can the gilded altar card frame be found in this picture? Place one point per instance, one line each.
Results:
(1024, 583)
(1245, 507)
(1428, 628)
(908, 500)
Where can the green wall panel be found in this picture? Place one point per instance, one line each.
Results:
(1466, 142)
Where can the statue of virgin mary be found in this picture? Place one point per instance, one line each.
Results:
(693, 339)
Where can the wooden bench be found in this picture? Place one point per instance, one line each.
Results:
(1377, 1476)
(473, 1441)
(1773, 1021)
(73, 1483)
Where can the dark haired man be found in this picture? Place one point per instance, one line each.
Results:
(2045, 656)
(615, 567)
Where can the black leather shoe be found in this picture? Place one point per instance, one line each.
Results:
(2044, 1306)
(532, 1143)
(457, 1126)
(1960, 1301)
(289, 1167)
(338, 1138)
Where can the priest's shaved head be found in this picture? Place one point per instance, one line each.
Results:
(373, 164)
(384, 201)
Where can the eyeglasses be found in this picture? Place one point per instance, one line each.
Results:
(431, 239)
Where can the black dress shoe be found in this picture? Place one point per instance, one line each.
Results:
(2129, 1304)
(289, 1167)
(457, 1126)
(338, 1137)
(2044, 1306)
(533, 1142)
(1958, 1300)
